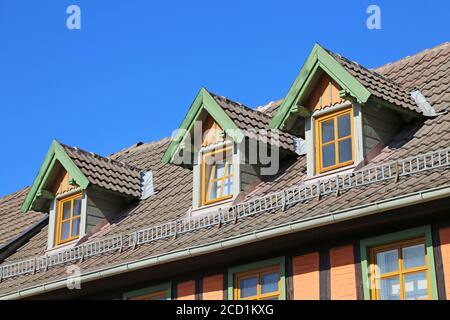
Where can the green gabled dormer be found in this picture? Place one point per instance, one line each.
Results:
(41, 191)
(203, 106)
(81, 191)
(214, 140)
(345, 112)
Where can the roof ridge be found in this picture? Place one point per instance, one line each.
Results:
(102, 158)
(415, 55)
(264, 107)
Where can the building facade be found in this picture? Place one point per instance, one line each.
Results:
(340, 190)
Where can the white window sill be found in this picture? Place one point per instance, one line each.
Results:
(62, 247)
(212, 207)
(330, 174)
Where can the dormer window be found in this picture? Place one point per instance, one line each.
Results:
(78, 199)
(334, 146)
(228, 147)
(68, 219)
(217, 175)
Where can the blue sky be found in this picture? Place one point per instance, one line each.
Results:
(133, 69)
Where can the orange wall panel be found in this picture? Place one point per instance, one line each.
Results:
(342, 273)
(324, 94)
(62, 183)
(186, 290)
(444, 235)
(213, 287)
(211, 132)
(306, 277)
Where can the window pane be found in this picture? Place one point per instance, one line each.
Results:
(215, 190)
(228, 187)
(345, 150)
(416, 286)
(248, 287)
(66, 210)
(387, 261)
(344, 125)
(65, 230)
(414, 256)
(75, 227)
(390, 289)
(269, 282)
(77, 207)
(230, 169)
(327, 131)
(219, 170)
(328, 154)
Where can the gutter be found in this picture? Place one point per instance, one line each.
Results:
(267, 233)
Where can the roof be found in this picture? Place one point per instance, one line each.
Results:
(173, 197)
(355, 81)
(428, 70)
(236, 120)
(379, 86)
(254, 122)
(13, 221)
(107, 173)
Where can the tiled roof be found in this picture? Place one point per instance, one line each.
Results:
(173, 197)
(270, 108)
(253, 122)
(379, 85)
(13, 222)
(428, 70)
(107, 173)
(158, 209)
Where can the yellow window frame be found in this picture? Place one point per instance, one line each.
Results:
(319, 154)
(60, 221)
(207, 182)
(258, 274)
(401, 272)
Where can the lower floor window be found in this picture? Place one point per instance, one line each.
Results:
(400, 271)
(161, 295)
(158, 292)
(258, 285)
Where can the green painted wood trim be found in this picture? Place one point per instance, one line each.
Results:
(55, 153)
(280, 261)
(318, 58)
(46, 194)
(203, 101)
(149, 290)
(366, 244)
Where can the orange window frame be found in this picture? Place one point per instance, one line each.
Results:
(258, 274)
(207, 182)
(319, 154)
(60, 221)
(401, 272)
